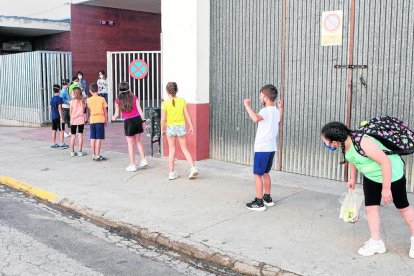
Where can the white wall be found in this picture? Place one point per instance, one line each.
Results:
(185, 47)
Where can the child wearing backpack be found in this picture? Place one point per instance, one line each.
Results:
(384, 178)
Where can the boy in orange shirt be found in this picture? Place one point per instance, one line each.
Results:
(98, 118)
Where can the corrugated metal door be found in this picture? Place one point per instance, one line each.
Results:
(384, 41)
(246, 52)
(315, 91)
(245, 55)
(54, 67)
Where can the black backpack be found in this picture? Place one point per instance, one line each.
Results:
(391, 132)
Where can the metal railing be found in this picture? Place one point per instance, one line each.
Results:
(26, 84)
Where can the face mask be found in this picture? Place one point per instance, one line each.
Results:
(262, 102)
(101, 76)
(80, 77)
(330, 148)
(75, 83)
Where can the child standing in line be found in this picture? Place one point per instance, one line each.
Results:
(75, 83)
(173, 115)
(132, 114)
(265, 145)
(102, 85)
(58, 122)
(384, 178)
(64, 94)
(98, 118)
(78, 119)
(83, 84)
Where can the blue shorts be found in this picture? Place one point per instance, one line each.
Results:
(263, 162)
(176, 131)
(97, 131)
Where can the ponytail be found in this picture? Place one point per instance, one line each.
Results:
(336, 131)
(172, 89)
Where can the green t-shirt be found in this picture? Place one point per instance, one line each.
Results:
(71, 88)
(371, 169)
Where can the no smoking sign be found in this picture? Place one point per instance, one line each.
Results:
(138, 69)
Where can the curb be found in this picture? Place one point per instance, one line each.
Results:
(192, 249)
(29, 189)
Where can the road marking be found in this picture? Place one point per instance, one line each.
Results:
(28, 189)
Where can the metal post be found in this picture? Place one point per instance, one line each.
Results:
(109, 81)
(350, 73)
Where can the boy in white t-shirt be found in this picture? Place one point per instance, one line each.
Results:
(265, 146)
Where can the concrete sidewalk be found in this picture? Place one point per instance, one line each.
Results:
(301, 233)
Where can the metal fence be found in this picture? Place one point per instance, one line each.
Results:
(258, 42)
(148, 89)
(26, 84)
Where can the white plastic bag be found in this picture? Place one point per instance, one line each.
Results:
(351, 205)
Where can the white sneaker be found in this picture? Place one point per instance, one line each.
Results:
(193, 173)
(143, 163)
(411, 254)
(372, 247)
(66, 134)
(131, 168)
(172, 175)
(81, 153)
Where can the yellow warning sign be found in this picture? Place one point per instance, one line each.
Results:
(331, 28)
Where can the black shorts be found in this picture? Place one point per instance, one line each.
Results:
(372, 192)
(66, 115)
(56, 125)
(79, 128)
(133, 126)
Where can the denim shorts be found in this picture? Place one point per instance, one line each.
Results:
(176, 131)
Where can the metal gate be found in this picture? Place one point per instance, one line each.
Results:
(148, 89)
(259, 42)
(26, 85)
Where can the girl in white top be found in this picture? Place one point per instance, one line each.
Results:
(102, 85)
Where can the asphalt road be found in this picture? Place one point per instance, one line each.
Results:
(38, 240)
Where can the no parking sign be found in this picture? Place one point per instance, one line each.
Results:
(331, 28)
(138, 69)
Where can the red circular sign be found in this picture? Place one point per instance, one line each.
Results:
(332, 22)
(138, 69)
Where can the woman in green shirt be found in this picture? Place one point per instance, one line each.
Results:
(384, 177)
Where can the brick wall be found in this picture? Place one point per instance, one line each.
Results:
(53, 42)
(137, 31)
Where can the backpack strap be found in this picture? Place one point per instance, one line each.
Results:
(356, 137)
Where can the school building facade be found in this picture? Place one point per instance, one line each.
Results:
(346, 61)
